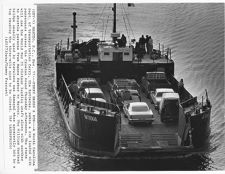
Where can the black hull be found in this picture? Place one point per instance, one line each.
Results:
(200, 124)
(83, 139)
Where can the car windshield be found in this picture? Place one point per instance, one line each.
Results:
(135, 97)
(140, 108)
(90, 84)
(159, 94)
(171, 102)
(96, 95)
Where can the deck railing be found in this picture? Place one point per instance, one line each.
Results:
(65, 94)
(184, 95)
(104, 105)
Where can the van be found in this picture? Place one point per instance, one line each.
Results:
(169, 107)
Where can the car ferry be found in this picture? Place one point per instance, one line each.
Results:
(102, 125)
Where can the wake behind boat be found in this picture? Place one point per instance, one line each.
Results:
(119, 101)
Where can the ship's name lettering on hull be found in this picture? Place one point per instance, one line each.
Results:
(90, 118)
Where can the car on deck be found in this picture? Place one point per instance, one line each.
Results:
(153, 80)
(124, 91)
(169, 107)
(156, 96)
(87, 83)
(94, 94)
(138, 112)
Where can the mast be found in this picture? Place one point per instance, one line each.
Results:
(114, 20)
(74, 26)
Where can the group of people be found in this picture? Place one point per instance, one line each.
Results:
(145, 45)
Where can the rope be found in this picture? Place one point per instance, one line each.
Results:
(98, 19)
(106, 27)
(103, 28)
(128, 21)
(128, 35)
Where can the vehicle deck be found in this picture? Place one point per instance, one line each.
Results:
(146, 59)
(143, 136)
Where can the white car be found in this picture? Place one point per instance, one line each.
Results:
(87, 83)
(138, 112)
(94, 94)
(156, 96)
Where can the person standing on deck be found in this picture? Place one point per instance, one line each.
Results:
(142, 44)
(147, 44)
(150, 43)
(123, 40)
(140, 55)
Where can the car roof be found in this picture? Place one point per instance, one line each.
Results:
(131, 91)
(100, 99)
(171, 95)
(125, 83)
(155, 72)
(138, 104)
(87, 79)
(93, 90)
(164, 90)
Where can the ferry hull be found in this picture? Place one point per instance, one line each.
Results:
(200, 124)
(95, 137)
(107, 144)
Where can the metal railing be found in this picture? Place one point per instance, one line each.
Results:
(65, 94)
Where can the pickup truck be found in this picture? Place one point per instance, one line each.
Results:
(156, 96)
(124, 91)
(153, 80)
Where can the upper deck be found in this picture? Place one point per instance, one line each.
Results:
(108, 51)
(109, 62)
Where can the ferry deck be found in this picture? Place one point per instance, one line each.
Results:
(145, 136)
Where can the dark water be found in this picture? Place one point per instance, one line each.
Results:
(195, 32)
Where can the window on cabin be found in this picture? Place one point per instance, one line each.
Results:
(106, 53)
(126, 53)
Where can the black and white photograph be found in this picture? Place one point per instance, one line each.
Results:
(130, 87)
